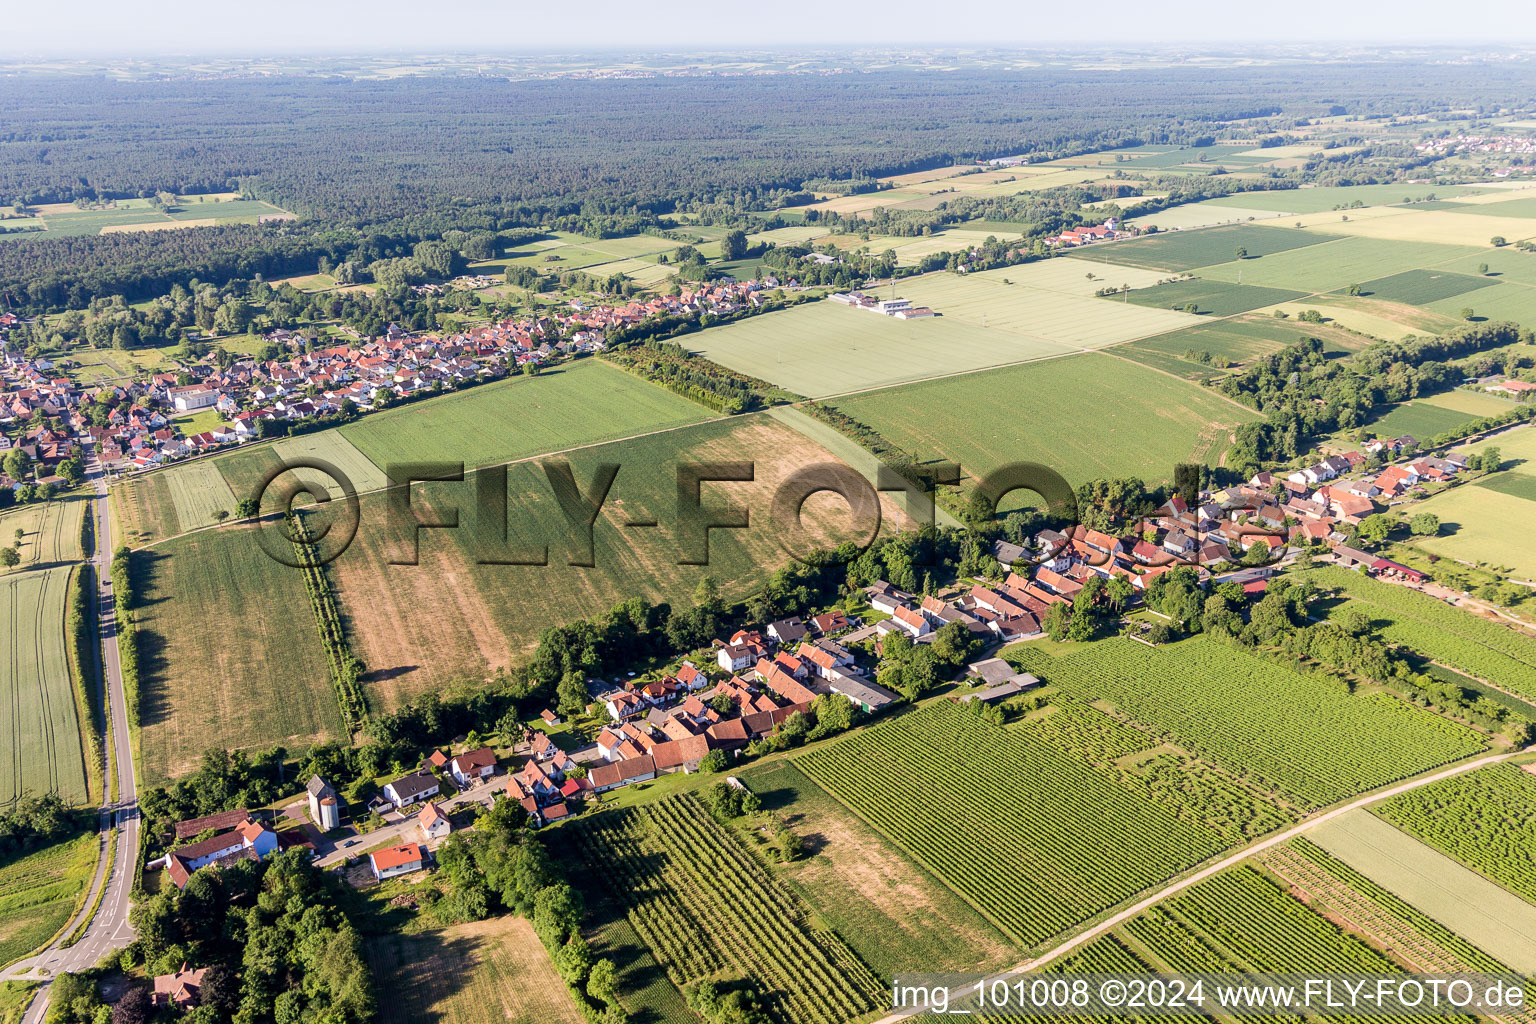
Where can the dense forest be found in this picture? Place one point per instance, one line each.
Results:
(377, 165)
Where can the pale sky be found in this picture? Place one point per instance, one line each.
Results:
(270, 27)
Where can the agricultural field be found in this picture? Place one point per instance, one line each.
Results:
(484, 618)
(1334, 265)
(1438, 414)
(1241, 920)
(1195, 215)
(1029, 834)
(1485, 819)
(821, 349)
(1319, 200)
(41, 890)
(1421, 287)
(1467, 904)
(60, 219)
(1237, 340)
(1218, 298)
(1488, 522)
(1072, 320)
(50, 532)
(37, 700)
(1267, 725)
(894, 914)
(213, 607)
(145, 509)
(1442, 226)
(1144, 421)
(1078, 276)
(1391, 321)
(487, 972)
(704, 905)
(198, 492)
(1497, 301)
(1179, 250)
(583, 404)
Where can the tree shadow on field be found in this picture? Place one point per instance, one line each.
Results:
(380, 675)
(154, 694)
(145, 568)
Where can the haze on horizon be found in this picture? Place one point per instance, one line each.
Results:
(99, 28)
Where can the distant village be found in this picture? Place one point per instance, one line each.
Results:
(306, 381)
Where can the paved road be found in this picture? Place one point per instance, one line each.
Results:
(958, 995)
(109, 928)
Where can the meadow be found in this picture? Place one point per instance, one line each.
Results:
(1143, 421)
(1078, 276)
(37, 700)
(1421, 287)
(41, 890)
(1267, 725)
(1425, 418)
(1196, 215)
(198, 492)
(1029, 834)
(1485, 819)
(229, 653)
(894, 914)
(62, 219)
(1189, 250)
(705, 905)
(1486, 915)
(487, 972)
(1498, 301)
(1378, 318)
(488, 616)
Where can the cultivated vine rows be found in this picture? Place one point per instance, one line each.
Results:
(1280, 729)
(1498, 654)
(1486, 819)
(705, 905)
(1029, 834)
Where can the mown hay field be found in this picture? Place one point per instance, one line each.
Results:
(1142, 421)
(1489, 522)
(229, 654)
(37, 702)
(487, 972)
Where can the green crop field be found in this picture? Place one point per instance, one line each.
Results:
(1511, 301)
(1485, 819)
(704, 905)
(820, 349)
(1486, 916)
(488, 616)
(1217, 297)
(1187, 250)
(1334, 265)
(1424, 419)
(1143, 421)
(50, 532)
(1265, 724)
(228, 650)
(1518, 485)
(39, 892)
(198, 491)
(1241, 920)
(1031, 835)
(37, 700)
(1238, 340)
(1481, 648)
(893, 913)
(1421, 287)
(579, 405)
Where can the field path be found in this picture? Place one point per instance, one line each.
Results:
(107, 926)
(1230, 861)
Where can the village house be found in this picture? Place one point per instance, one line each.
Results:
(247, 841)
(434, 824)
(469, 768)
(412, 788)
(180, 990)
(397, 860)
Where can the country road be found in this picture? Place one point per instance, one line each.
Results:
(957, 994)
(109, 928)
